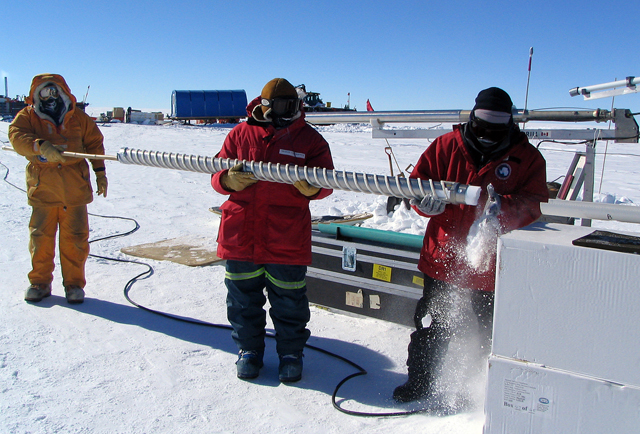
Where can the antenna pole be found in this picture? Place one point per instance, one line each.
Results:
(526, 98)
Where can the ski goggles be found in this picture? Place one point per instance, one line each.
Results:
(282, 107)
(486, 130)
(47, 92)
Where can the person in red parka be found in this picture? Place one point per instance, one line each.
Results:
(491, 152)
(265, 231)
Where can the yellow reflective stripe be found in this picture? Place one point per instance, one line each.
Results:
(286, 285)
(244, 276)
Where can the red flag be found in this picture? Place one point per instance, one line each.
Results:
(369, 108)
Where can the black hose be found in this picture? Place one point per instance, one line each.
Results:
(149, 272)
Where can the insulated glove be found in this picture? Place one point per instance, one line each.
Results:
(429, 205)
(237, 180)
(101, 182)
(305, 188)
(51, 152)
(492, 207)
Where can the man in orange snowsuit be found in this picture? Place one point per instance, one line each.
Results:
(58, 187)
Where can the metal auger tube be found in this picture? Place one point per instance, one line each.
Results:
(410, 188)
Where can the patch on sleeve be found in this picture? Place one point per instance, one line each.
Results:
(503, 171)
(292, 154)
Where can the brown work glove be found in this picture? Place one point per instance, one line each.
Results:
(237, 180)
(51, 152)
(101, 182)
(305, 188)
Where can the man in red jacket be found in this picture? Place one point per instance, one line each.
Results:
(265, 231)
(489, 151)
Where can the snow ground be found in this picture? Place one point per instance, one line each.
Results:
(108, 367)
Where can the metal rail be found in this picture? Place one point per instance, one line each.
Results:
(629, 85)
(626, 127)
(455, 116)
(591, 210)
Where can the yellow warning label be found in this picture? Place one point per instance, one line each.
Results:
(381, 272)
(417, 280)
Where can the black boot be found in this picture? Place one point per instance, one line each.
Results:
(417, 386)
(426, 350)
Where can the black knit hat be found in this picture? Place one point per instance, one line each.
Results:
(494, 99)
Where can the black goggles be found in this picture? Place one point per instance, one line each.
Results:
(47, 92)
(486, 130)
(282, 107)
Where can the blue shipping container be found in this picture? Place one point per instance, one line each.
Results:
(208, 104)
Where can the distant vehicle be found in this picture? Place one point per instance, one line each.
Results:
(313, 103)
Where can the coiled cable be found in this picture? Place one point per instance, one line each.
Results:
(150, 271)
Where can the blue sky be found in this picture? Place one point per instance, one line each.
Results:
(401, 55)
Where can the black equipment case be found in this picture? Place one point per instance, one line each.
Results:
(365, 271)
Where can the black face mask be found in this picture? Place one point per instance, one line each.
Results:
(482, 153)
(489, 136)
(281, 122)
(53, 107)
(51, 104)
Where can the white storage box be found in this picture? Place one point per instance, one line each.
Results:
(524, 398)
(568, 307)
(146, 116)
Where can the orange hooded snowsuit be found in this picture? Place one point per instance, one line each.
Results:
(58, 192)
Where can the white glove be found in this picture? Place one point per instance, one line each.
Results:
(429, 205)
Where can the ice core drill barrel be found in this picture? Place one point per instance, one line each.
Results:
(397, 186)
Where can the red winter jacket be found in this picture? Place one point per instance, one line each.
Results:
(268, 222)
(519, 176)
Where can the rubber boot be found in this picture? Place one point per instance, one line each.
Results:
(419, 381)
(37, 291)
(74, 294)
(426, 351)
(290, 369)
(249, 364)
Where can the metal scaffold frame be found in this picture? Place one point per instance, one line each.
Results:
(410, 188)
(626, 129)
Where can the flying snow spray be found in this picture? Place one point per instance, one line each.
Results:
(482, 240)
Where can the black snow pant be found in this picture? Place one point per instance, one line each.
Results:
(429, 344)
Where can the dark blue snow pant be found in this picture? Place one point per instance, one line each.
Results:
(286, 289)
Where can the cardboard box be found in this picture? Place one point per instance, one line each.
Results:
(524, 398)
(568, 307)
(118, 112)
